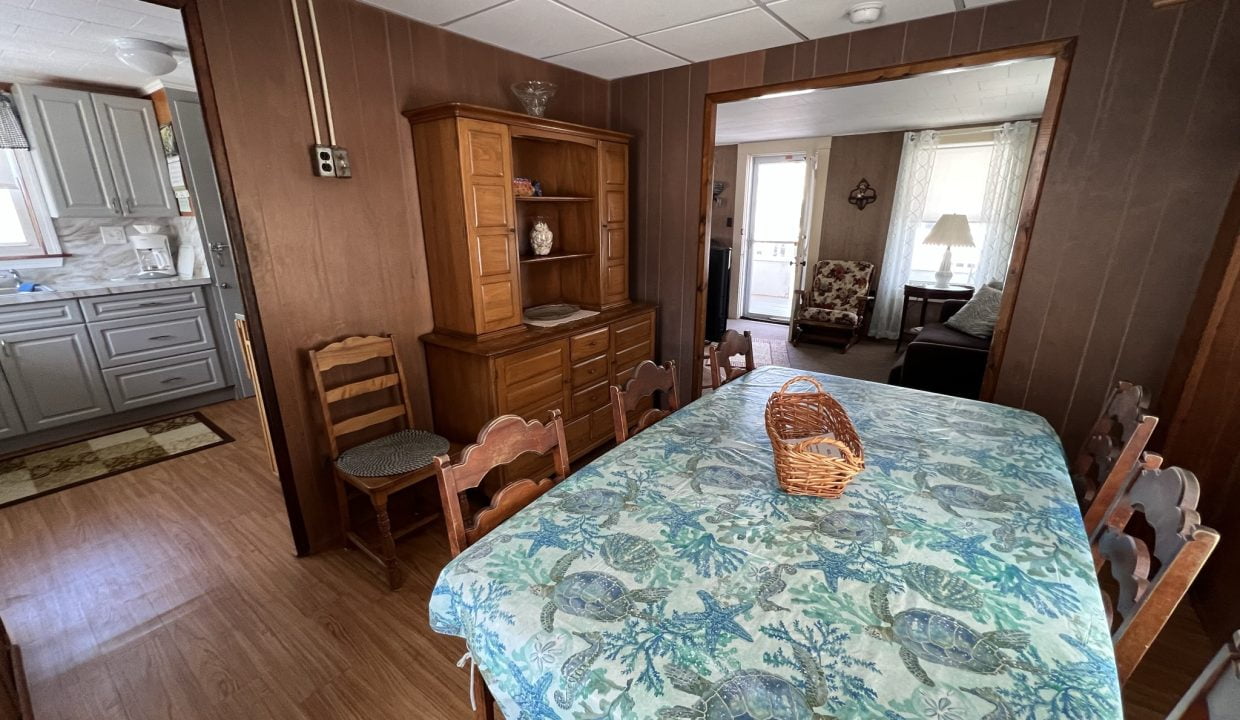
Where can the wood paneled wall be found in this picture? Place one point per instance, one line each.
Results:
(332, 258)
(1142, 165)
(849, 233)
(1200, 409)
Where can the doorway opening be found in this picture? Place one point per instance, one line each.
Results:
(922, 185)
(113, 152)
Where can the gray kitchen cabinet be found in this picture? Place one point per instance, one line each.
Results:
(68, 150)
(98, 155)
(54, 376)
(10, 420)
(136, 155)
(130, 340)
(156, 381)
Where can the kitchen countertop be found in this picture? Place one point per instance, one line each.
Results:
(114, 287)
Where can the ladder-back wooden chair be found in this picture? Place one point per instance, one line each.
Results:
(502, 441)
(14, 690)
(1111, 455)
(375, 447)
(1150, 585)
(638, 394)
(1215, 695)
(721, 353)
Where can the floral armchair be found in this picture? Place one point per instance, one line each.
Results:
(837, 303)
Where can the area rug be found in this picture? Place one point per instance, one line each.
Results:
(25, 477)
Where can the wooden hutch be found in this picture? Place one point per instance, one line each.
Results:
(483, 360)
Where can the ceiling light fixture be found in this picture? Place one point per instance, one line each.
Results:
(865, 13)
(148, 56)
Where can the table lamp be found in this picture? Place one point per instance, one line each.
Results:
(950, 231)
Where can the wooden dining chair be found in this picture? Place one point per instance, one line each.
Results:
(502, 441)
(375, 447)
(639, 393)
(14, 690)
(721, 354)
(1215, 694)
(1147, 592)
(1111, 455)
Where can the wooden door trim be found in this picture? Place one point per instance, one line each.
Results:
(265, 380)
(1059, 50)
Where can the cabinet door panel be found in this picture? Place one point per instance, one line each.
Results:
(136, 155)
(68, 150)
(54, 376)
(10, 420)
(614, 213)
(486, 163)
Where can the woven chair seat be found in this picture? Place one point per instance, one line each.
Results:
(394, 454)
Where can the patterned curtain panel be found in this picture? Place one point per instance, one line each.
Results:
(12, 136)
(912, 186)
(1005, 183)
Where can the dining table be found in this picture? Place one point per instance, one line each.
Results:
(672, 577)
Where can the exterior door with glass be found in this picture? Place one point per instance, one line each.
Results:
(774, 233)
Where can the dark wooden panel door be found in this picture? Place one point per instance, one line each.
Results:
(486, 172)
(613, 183)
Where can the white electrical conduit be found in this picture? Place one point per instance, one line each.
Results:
(318, 52)
(305, 69)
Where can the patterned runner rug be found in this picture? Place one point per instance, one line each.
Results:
(24, 477)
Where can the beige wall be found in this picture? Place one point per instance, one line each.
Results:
(725, 208)
(852, 234)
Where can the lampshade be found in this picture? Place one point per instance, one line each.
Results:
(950, 230)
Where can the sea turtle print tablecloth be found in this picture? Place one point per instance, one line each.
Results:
(672, 578)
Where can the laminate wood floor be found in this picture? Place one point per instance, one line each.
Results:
(172, 592)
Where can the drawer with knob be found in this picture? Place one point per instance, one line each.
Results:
(137, 339)
(156, 381)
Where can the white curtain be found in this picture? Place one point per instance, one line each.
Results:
(912, 185)
(1005, 183)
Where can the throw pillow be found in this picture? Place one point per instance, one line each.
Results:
(979, 315)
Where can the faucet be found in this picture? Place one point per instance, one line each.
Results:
(10, 278)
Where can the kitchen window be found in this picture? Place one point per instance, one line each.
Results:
(27, 236)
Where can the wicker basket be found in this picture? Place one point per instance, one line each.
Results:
(817, 451)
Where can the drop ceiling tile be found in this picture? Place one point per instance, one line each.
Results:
(642, 16)
(41, 20)
(739, 32)
(162, 28)
(821, 18)
(537, 28)
(618, 59)
(434, 12)
(89, 11)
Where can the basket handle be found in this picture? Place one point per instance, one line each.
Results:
(784, 388)
(845, 452)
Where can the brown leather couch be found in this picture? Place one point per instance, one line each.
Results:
(943, 360)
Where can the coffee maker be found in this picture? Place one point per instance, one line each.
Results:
(154, 254)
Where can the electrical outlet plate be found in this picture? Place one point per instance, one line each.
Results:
(343, 168)
(113, 235)
(322, 160)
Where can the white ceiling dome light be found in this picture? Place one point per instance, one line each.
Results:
(865, 13)
(148, 56)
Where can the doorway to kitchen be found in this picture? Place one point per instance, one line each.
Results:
(773, 233)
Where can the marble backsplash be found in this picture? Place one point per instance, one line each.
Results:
(90, 261)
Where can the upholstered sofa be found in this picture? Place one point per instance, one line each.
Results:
(942, 359)
(836, 305)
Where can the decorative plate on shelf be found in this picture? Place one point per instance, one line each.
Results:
(550, 312)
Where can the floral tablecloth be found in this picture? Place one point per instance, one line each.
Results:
(672, 578)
